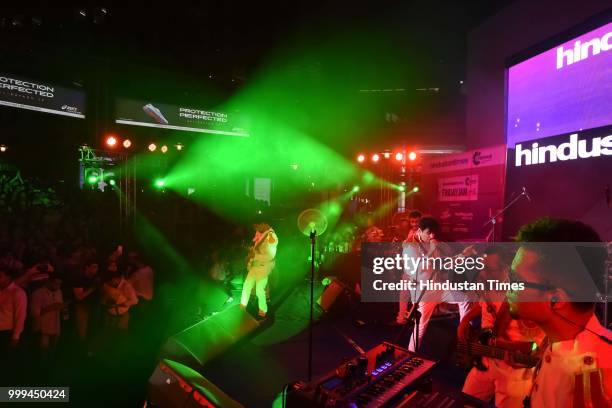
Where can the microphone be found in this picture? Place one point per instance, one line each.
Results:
(526, 194)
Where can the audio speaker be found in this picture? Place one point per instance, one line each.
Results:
(176, 385)
(209, 338)
(331, 293)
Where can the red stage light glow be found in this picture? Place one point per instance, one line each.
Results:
(412, 156)
(361, 158)
(375, 157)
(399, 156)
(111, 141)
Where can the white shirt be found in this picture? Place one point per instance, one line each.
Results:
(13, 307)
(266, 250)
(124, 295)
(49, 322)
(142, 281)
(566, 363)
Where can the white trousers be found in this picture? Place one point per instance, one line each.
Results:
(508, 385)
(257, 277)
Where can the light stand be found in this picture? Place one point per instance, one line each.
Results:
(311, 223)
(313, 238)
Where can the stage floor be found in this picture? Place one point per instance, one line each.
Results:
(254, 372)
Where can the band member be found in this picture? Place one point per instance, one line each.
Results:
(260, 264)
(411, 237)
(428, 246)
(576, 367)
(508, 383)
(413, 223)
(373, 234)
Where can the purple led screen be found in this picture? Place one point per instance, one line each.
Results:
(565, 89)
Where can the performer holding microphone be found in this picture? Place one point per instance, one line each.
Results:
(260, 263)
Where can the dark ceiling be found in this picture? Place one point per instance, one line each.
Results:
(230, 38)
(180, 50)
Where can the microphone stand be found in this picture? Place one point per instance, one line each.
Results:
(493, 220)
(413, 315)
(313, 237)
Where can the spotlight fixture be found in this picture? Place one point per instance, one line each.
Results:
(375, 157)
(386, 155)
(152, 147)
(412, 156)
(164, 149)
(355, 189)
(361, 158)
(415, 189)
(127, 143)
(3, 148)
(159, 183)
(399, 156)
(111, 141)
(179, 146)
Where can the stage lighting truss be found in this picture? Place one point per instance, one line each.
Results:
(97, 168)
(403, 156)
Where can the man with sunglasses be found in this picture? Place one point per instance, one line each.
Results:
(576, 366)
(507, 383)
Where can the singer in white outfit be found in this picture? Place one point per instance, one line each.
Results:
(260, 264)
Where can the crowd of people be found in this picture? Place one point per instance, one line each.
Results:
(39, 301)
(62, 285)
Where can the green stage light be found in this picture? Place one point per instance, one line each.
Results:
(368, 178)
(92, 179)
(112, 182)
(355, 189)
(160, 183)
(415, 189)
(401, 188)
(326, 281)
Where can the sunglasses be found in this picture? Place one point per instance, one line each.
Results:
(532, 285)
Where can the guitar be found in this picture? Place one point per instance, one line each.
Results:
(256, 246)
(520, 353)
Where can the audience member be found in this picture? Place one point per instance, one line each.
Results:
(118, 297)
(85, 291)
(13, 310)
(46, 305)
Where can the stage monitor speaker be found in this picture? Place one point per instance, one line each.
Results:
(331, 293)
(209, 338)
(176, 385)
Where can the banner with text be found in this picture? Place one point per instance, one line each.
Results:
(463, 190)
(190, 119)
(18, 92)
